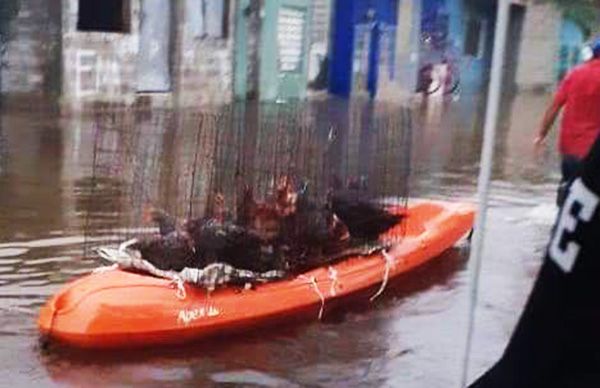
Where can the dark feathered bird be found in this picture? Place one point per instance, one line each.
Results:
(174, 251)
(317, 224)
(165, 222)
(246, 208)
(171, 249)
(312, 232)
(364, 220)
(229, 243)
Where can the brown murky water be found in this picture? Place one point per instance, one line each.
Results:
(413, 337)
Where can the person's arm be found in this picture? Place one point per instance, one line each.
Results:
(547, 122)
(553, 110)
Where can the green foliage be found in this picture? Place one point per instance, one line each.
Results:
(583, 12)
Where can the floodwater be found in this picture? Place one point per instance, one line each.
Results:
(412, 337)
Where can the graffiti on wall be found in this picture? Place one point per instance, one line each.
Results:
(95, 73)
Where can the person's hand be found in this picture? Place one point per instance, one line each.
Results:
(539, 141)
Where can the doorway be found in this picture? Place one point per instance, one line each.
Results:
(153, 68)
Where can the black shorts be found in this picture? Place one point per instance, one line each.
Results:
(569, 168)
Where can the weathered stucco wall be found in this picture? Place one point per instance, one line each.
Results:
(32, 55)
(98, 66)
(539, 47)
(402, 84)
(204, 60)
(107, 66)
(319, 36)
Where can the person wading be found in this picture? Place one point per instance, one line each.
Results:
(579, 94)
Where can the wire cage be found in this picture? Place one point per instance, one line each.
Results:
(181, 161)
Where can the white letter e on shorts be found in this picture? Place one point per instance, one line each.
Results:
(565, 256)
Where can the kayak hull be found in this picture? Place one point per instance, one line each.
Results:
(120, 309)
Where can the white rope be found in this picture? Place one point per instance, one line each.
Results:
(313, 282)
(180, 285)
(390, 263)
(105, 268)
(485, 172)
(333, 275)
(127, 244)
(122, 254)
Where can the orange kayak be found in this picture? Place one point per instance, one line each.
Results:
(119, 309)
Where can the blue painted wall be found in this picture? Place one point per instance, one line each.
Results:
(346, 15)
(571, 41)
(342, 38)
(475, 70)
(451, 16)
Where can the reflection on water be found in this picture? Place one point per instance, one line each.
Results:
(64, 187)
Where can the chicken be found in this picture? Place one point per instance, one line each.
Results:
(317, 224)
(291, 230)
(216, 209)
(229, 243)
(165, 222)
(171, 249)
(365, 220)
(246, 208)
(311, 232)
(285, 197)
(263, 218)
(174, 251)
(246, 245)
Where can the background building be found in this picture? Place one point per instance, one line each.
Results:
(124, 50)
(550, 46)
(210, 52)
(31, 58)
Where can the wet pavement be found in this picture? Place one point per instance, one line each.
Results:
(413, 337)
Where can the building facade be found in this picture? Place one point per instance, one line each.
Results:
(550, 46)
(31, 58)
(210, 52)
(191, 52)
(123, 51)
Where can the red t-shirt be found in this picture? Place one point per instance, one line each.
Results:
(580, 94)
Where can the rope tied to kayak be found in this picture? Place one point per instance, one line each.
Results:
(313, 282)
(180, 285)
(126, 244)
(390, 263)
(105, 268)
(333, 275)
(108, 254)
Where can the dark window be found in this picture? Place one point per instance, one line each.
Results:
(103, 15)
(226, 5)
(473, 37)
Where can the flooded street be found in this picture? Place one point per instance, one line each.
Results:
(413, 337)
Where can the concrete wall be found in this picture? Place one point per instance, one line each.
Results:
(539, 47)
(204, 63)
(103, 67)
(403, 82)
(32, 56)
(473, 70)
(98, 66)
(319, 36)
